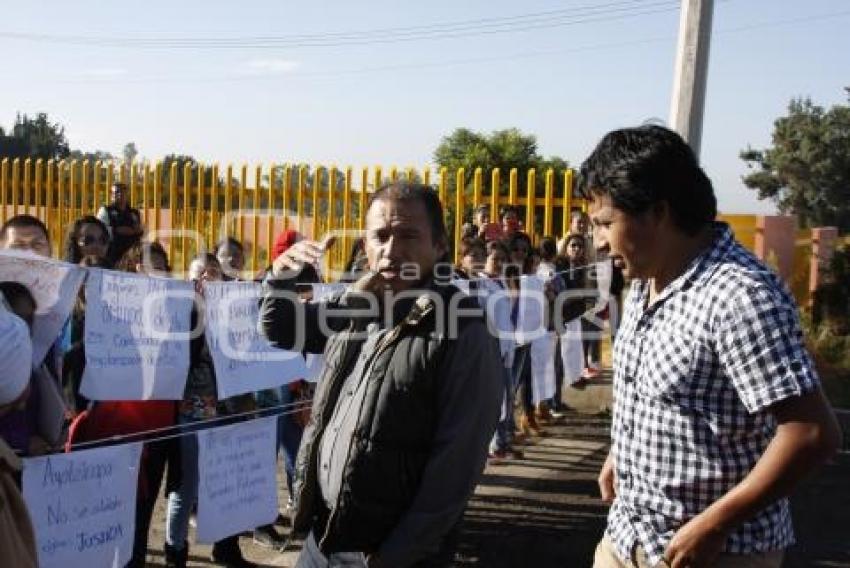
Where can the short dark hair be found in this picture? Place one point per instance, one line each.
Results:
(640, 167)
(498, 246)
(548, 248)
(412, 191)
(508, 209)
(22, 222)
(483, 208)
(229, 242)
(470, 243)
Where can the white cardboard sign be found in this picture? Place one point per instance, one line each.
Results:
(244, 361)
(237, 487)
(53, 284)
(136, 337)
(83, 505)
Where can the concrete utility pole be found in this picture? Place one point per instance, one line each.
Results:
(688, 104)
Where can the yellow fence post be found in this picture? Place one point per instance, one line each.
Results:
(157, 196)
(185, 223)
(132, 170)
(331, 200)
(172, 208)
(146, 182)
(548, 203)
(346, 214)
(16, 185)
(4, 188)
(27, 184)
(56, 218)
(378, 182)
(270, 225)
(85, 188)
(74, 183)
(459, 187)
(530, 202)
(314, 203)
(302, 188)
(213, 235)
(513, 186)
(50, 212)
(361, 203)
(286, 197)
(426, 175)
(393, 174)
(255, 218)
(110, 179)
(95, 185)
(444, 191)
(494, 195)
(568, 200)
(477, 183)
(37, 174)
(228, 202)
(243, 184)
(200, 233)
(60, 193)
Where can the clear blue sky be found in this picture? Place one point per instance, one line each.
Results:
(391, 102)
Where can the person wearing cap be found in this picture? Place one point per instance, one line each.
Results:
(17, 539)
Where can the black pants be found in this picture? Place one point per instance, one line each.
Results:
(155, 457)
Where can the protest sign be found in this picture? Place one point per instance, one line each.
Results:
(54, 286)
(83, 505)
(244, 361)
(136, 337)
(237, 485)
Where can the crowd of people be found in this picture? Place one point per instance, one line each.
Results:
(718, 409)
(114, 239)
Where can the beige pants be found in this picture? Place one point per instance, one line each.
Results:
(606, 557)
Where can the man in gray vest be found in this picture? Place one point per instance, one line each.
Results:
(408, 399)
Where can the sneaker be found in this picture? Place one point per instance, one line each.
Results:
(267, 537)
(496, 458)
(516, 454)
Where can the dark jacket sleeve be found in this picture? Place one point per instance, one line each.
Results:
(289, 323)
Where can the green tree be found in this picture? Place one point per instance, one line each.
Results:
(504, 149)
(806, 171)
(35, 138)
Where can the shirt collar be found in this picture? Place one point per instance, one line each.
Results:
(719, 248)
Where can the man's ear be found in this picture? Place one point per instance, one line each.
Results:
(660, 211)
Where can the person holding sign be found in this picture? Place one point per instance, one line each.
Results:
(408, 399)
(17, 539)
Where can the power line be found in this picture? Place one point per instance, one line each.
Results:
(439, 64)
(468, 28)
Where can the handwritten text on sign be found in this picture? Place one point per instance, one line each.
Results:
(54, 286)
(237, 488)
(83, 505)
(137, 337)
(244, 361)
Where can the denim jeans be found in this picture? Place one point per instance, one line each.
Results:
(505, 428)
(289, 438)
(182, 498)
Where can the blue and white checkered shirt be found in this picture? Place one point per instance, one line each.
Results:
(693, 376)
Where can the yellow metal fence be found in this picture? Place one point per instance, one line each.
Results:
(190, 206)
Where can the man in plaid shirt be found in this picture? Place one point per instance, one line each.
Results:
(718, 411)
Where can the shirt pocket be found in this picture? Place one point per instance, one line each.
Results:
(667, 370)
